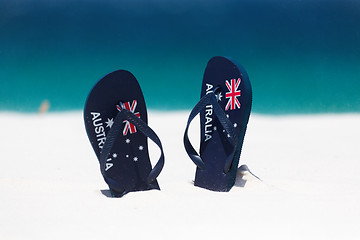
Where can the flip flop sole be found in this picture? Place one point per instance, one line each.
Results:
(128, 164)
(234, 96)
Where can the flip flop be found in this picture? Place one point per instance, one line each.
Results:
(224, 108)
(116, 123)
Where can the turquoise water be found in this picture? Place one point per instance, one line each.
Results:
(301, 56)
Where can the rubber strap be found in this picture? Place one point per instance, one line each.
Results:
(125, 114)
(207, 99)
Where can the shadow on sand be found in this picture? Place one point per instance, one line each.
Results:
(106, 193)
(242, 171)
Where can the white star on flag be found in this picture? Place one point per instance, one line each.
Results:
(135, 159)
(127, 141)
(218, 96)
(141, 148)
(109, 122)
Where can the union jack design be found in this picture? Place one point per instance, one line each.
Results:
(233, 94)
(128, 126)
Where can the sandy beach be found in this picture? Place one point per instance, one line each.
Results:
(51, 186)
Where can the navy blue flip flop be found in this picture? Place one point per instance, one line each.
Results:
(116, 123)
(224, 107)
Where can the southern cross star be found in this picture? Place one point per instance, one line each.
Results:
(109, 122)
(218, 96)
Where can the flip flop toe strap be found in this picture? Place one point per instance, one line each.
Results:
(116, 128)
(147, 131)
(210, 98)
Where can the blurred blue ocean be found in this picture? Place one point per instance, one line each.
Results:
(302, 56)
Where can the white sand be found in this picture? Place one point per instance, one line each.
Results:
(50, 183)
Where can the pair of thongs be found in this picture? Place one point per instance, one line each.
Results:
(116, 123)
